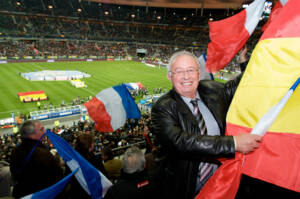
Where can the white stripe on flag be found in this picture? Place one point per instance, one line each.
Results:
(253, 14)
(73, 164)
(114, 107)
(204, 73)
(106, 184)
(283, 2)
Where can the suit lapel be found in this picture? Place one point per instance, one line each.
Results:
(183, 108)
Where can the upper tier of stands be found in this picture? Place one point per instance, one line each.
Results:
(90, 21)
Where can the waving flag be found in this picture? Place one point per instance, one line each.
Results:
(229, 35)
(111, 108)
(273, 68)
(134, 86)
(274, 12)
(90, 179)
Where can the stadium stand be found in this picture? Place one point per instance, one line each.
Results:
(37, 30)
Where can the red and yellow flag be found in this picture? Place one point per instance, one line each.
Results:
(273, 68)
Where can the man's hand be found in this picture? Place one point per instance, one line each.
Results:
(243, 54)
(246, 143)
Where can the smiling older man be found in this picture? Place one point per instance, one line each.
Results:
(189, 122)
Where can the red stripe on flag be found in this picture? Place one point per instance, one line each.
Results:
(97, 112)
(225, 181)
(285, 25)
(230, 32)
(276, 161)
(31, 93)
(273, 14)
(265, 164)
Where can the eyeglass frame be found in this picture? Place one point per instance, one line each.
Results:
(189, 71)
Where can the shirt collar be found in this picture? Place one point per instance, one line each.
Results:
(187, 100)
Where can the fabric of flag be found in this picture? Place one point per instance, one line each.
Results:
(54, 190)
(90, 179)
(229, 35)
(274, 66)
(204, 73)
(276, 9)
(111, 108)
(134, 86)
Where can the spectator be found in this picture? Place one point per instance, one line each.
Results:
(112, 166)
(134, 182)
(85, 146)
(33, 167)
(188, 122)
(154, 159)
(5, 179)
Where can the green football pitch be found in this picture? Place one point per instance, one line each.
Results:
(105, 74)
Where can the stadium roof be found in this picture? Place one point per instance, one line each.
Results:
(210, 4)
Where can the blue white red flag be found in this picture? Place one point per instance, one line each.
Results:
(111, 108)
(134, 86)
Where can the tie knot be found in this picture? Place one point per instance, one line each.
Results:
(194, 102)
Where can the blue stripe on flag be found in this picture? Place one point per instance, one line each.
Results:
(204, 56)
(90, 175)
(210, 74)
(132, 111)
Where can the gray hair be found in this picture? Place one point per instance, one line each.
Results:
(180, 53)
(133, 160)
(28, 128)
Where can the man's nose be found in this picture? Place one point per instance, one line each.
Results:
(186, 74)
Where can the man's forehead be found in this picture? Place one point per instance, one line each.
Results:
(184, 60)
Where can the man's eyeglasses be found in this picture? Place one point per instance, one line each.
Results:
(189, 71)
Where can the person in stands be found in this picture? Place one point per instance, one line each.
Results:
(189, 122)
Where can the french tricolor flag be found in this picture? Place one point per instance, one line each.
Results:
(229, 35)
(111, 108)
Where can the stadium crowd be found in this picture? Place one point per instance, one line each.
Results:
(94, 30)
(107, 146)
(101, 30)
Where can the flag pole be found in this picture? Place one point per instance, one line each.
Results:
(268, 118)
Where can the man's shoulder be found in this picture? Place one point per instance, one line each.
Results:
(210, 84)
(166, 99)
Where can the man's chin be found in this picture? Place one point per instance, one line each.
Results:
(189, 94)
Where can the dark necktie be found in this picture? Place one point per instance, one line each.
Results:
(205, 169)
(199, 117)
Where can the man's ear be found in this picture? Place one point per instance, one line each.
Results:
(200, 74)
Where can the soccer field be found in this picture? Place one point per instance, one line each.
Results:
(104, 74)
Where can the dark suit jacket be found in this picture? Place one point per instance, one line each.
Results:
(177, 131)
